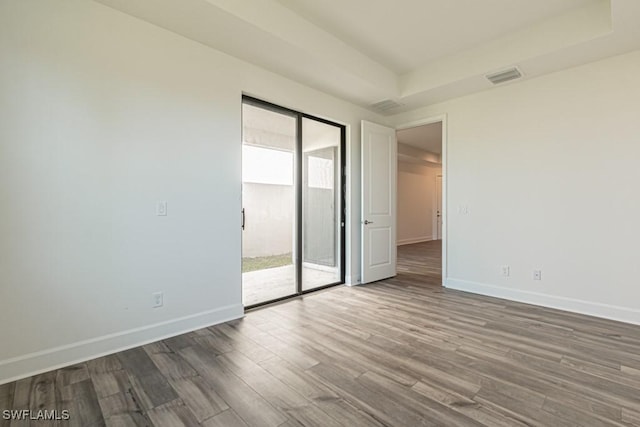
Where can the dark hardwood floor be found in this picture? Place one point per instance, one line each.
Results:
(400, 352)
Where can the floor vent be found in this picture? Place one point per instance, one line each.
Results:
(504, 76)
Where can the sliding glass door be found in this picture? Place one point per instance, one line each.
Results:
(321, 200)
(269, 269)
(293, 203)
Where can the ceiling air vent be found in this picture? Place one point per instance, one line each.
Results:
(385, 106)
(504, 76)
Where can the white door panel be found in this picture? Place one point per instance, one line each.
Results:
(380, 255)
(379, 175)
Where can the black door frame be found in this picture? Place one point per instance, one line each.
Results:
(249, 100)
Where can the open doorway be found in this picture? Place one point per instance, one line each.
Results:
(419, 202)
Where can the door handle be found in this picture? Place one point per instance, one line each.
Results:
(243, 218)
(367, 222)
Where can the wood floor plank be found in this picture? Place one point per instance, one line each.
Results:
(71, 375)
(179, 342)
(157, 347)
(612, 374)
(173, 414)
(259, 379)
(213, 343)
(248, 404)
(630, 372)
(227, 418)
(172, 366)
(244, 344)
(320, 351)
(631, 417)
(6, 395)
(441, 395)
(35, 393)
(121, 409)
(298, 380)
(200, 397)
(104, 364)
(572, 414)
(292, 354)
(83, 405)
(587, 404)
(584, 380)
(364, 358)
(427, 408)
(110, 383)
(347, 414)
(522, 411)
(490, 417)
(375, 402)
(311, 415)
(151, 387)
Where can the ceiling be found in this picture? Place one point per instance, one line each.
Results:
(404, 35)
(410, 52)
(425, 137)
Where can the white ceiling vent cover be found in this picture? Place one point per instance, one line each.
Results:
(504, 76)
(386, 105)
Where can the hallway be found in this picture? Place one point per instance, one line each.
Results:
(420, 263)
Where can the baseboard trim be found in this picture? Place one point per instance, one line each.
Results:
(414, 240)
(59, 357)
(352, 280)
(606, 311)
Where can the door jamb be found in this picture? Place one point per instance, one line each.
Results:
(445, 220)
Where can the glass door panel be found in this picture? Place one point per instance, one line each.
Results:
(321, 204)
(269, 268)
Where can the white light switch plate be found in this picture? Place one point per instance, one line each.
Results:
(161, 208)
(158, 299)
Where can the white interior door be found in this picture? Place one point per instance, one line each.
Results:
(379, 176)
(439, 207)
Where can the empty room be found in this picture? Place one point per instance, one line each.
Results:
(319, 213)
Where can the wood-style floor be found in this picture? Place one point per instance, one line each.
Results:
(401, 352)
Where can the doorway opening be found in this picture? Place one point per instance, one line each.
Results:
(293, 233)
(420, 202)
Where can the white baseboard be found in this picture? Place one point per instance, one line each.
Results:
(414, 240)
(352, 280)
(606, 311)
(59, 357)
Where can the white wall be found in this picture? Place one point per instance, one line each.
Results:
(101, 116)
(527, 159)
(416, 202)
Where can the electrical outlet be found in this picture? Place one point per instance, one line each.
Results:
(506, 270)
(161, 208)
(158, 299)
(537, 274)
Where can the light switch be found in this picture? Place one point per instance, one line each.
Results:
(161, 208)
